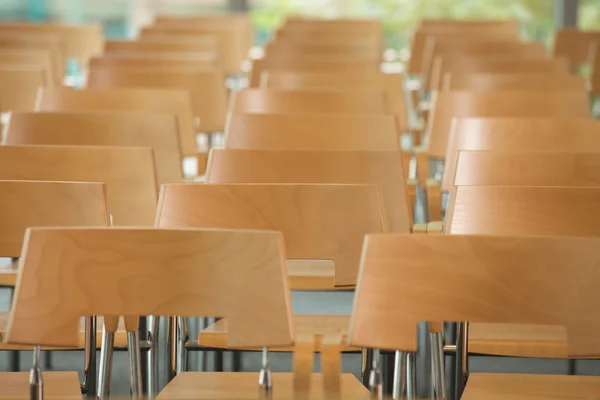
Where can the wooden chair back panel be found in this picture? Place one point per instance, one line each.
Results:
(405, 279)
(260, 101)
(522, 211)
(350, 167)
(575, 44)
(149, 61)
(510, 81)
(595, 70)
(127, 171)
(461, 104)
(49, 43)
(312, 132)
(318, 222)
(239, 275)
(19, 87)
(164, 101)
(283, 46)
(158, 131)
(525, 134)
(26, 203)
(39, 58)
(207, 87)
(126, 46)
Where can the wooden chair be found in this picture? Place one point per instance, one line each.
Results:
(349, 167)
(127, 171)
(311, 132)
(498, 279)
(575, 45)
(162, 46)
(158, 131)
(141, 60)
(39, 58)
(19, 87)
(143, 259)
(50, 43)
(361, 50)
(510, 81)
(176, 102)
(595, 70)
(207, 87)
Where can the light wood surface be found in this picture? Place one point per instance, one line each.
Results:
(512, 81)
(145, 60)
(8, 272)
(211, 266)
(361, 49)
(50, 43)
(127, 171)
(207, 87)
(311, 275)
(19, 87)
(318, 222)
(382, 168)
(57, 385)
(27, 203)
(311, 132)
(109, 128)
(320, 326)
(595, 70)
(519, 134)
(244, 386)
(176, 102)
(159, 46)
(461, 104)
(493, 279)
(40, 57)
(531, 387)
(574, 44)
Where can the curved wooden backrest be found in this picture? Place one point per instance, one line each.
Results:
(150, 61)
(209, 94)
(575, 45)
(50, 43)
(176, 102)
(413, 278)
(158, 131)
(523, 64)
(19, 87)
(127, 171)
(37, 57)
(523, 210)
(235, 274)
(512, 81)
(524, 134)
(312, 132)
(384, 168)
(461, 104)
(125, 46)
(317, 49)
(528, 168)
(318, 222)
(257, 101)
(595, 69)
(29, 203)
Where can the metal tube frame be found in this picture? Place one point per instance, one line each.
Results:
(106, 358)
(89, 384)
(375, 383)
(462, 358)
(265, 377)
(437, 366)
(36, 381)
(152, 358)
(135, 365)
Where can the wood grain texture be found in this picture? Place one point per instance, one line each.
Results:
(382, 168)
(108, 128)
(63, 276)
(244, 386)
(312, 275)
(479, 279)
(128, 173)
(311, 132)
(28, 203)
(209, 94)
(461, 104)
(574, 44)
(512, 81)
(177, 102)
(19, 86)
(318, 222)
(531, 387)
(57, 385)
(525, 134)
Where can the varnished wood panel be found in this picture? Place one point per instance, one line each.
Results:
(148, 60)
(38, 57)
(512, 81)
(19, 87)
(575, 44)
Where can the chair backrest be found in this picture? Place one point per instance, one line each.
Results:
(318, 222)
(575, 45)
(310, 102)
(495, 279)
(127, 171)
(161, 46)
(176, 102)
(311, 132)
(510, 81)
(207, 87)
(29, 203)
(384, 168)
(158, 131)
(595, 69)
(19, 87)
(283, 46)
(50, 43)
(36, 57)
(523, 210)
(525, 134)
(150, 61)
(460, 104)
(235, 274)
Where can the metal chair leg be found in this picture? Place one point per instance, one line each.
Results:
(462, 358)
(135, 364)
(183, 337)
(172, 334)
(400, 376)
(152, 358)
(375, 377)
(106, 358)
(437, 366)
(36, 382)
(89, 373)
(411, 372)
(265, 377)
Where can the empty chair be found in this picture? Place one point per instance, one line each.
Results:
(595, 70)
(177, 61)
(50, 43)
(158, 131)
(283, 46)
(512, 81)
(19, 87)
(208, 46)
(575, 45)
(32, 57)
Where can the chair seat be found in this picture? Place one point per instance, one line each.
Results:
(215, 335)
(57, 385)
(120, 335)
(531, 387)
(518, 340)
(244, 385)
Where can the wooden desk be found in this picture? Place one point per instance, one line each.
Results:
(8, 272)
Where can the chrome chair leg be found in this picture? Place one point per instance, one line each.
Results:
(400, 377)
(462, 358)
(36, 382)
(172, 339)
(89, 371)
(106, 357)
(375, 377)
(135, 364)
(437, 366)
(182, 338)
(411, 373)
(152, 357)
(265, 377)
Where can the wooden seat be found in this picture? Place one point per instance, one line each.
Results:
(383, 168)
(575, 45)
(58, 385)
(19, 87)
(127, 171)
(158, 131)
(510, 81)
(176, 102)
